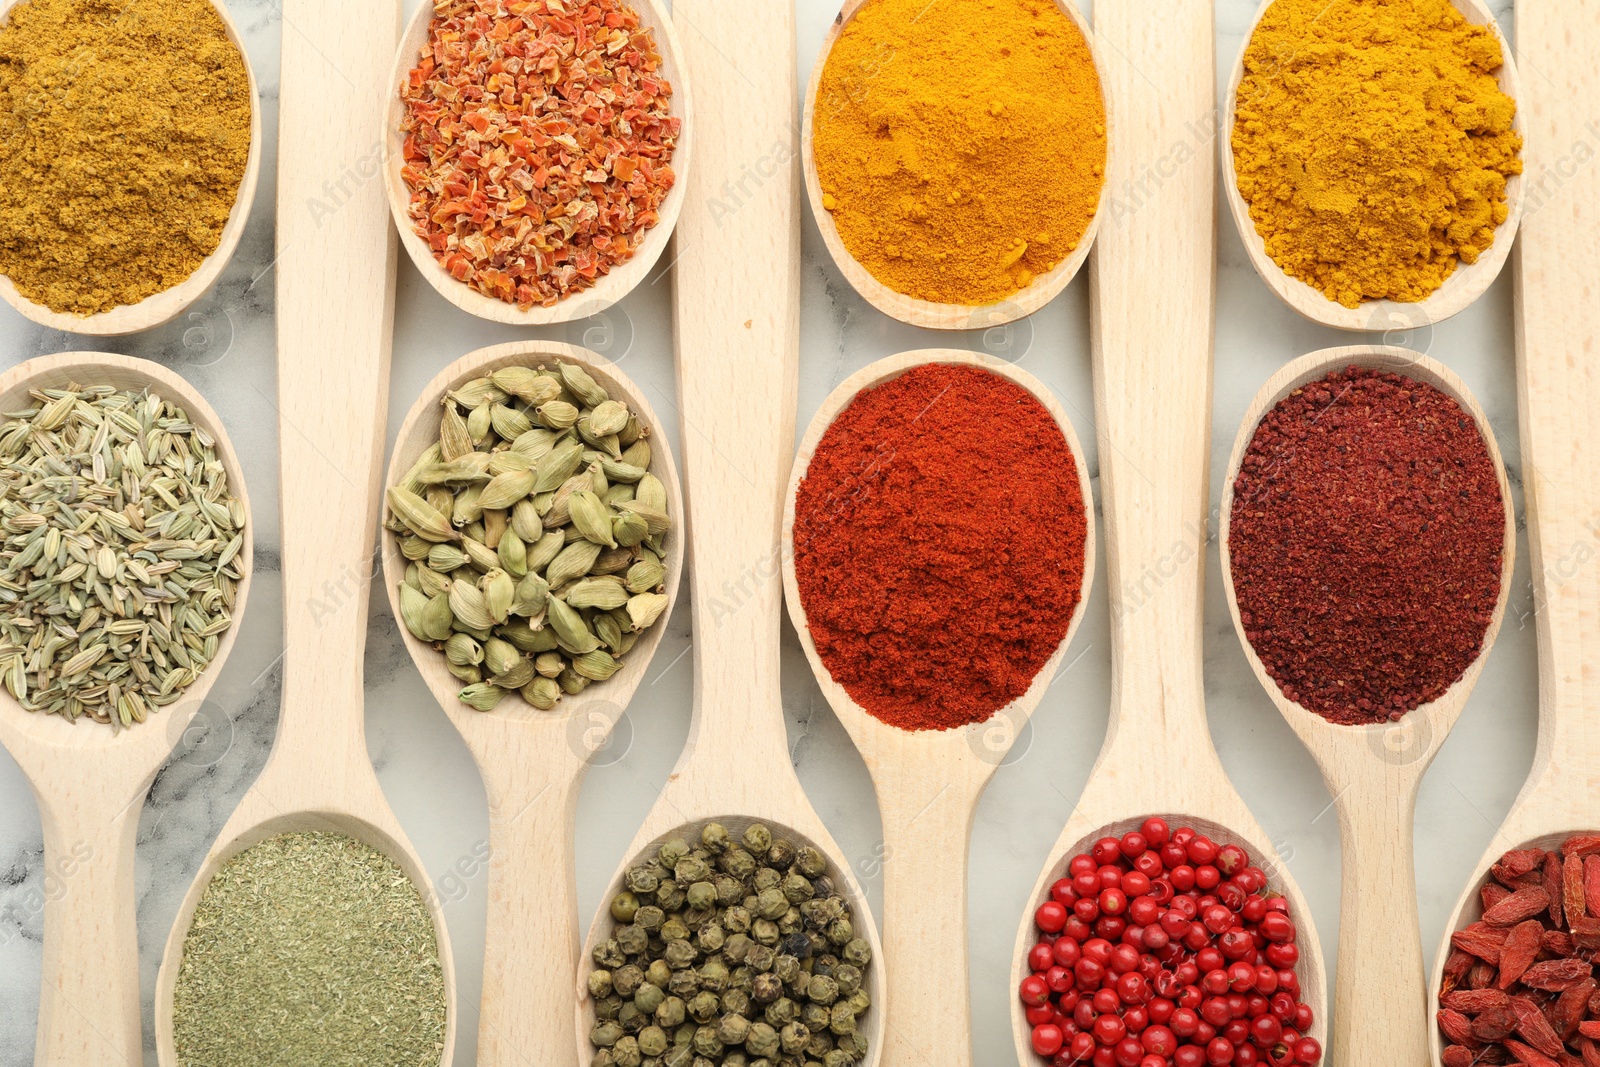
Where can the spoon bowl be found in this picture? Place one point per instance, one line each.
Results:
(1464, 285)
(1373, 772)
(90, 781)
(926, 313)
(532, 762)
(929, 782)
(160, 308)
(609, 288)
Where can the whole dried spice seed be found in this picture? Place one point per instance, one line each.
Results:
(538, 143)
(121, 553)
(310, 948)
(1367, 544)
(124, 137)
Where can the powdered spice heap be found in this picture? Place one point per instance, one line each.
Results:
(124, 136)
(538, 143)
(939, 541)
(1367, 539)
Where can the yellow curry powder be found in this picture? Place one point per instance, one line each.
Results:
(124, 133)
(1373, 143)
(960, 144)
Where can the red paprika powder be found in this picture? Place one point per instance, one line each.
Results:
(1366, 539)
(939, 540)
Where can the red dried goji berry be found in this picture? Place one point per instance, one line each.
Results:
(1455, 1026)
(1520, 906)
(1457, 1056)
(1581, 845)
(1555, 976)
(1552, 886)
(1590, 1030)
(1585, 932)
(1557, 943)
(1519, 952)
(1492, 893)
(1591, 884)
(1588, 1050)
(1494, 1024)
(1480, 940)
(1482, 976)
(1516, 863)
(1473, 1001)
(1530, 1056)
(1572, 1006)
(1534, 1027)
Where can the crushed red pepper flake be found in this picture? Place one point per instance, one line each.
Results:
(538, 143)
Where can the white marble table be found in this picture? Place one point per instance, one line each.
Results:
(226, 348)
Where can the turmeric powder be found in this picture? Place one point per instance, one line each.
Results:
(1373, 144)
(124, 135)
(960, 144)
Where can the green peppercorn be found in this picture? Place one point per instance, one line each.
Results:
(674, 929)
(626, 980)
(650, 918)
(782, 1012)
(824, 965)
(855, 1046)
(671, 1013)
(738, 863)
(761, 958)
(735, 1059)
(766, 932)
(781, 854)
(770, 904)
(643, 880)
(605, 1034)
(766, 878)
(701, 896)
(736, 1002)
(729, 890)
(679, 954)
(858, 953)
(787, 968)
(792, 1038)
(626, 1053)
(736, 920)
(757, 839)
(704, 1007)
(711, 938)
(736, 947)
(716, 839)
(678, 1056)
(691, 869)
(672, 852)
(789, 922)
(820, 1045)
(684, 1035)
(608, 1008)
(811, 862)
(797, 889)
(733, 1029)
(706, 1042)
(684, 983)
(762, 1040)
(815, 1016)
(624, 906)
(837, 1058)
(859, 1002)
(842, 1020)
(822, 990)
(714, 975)
(603, 1058)
(653, 1041)
(649, 998)
(741, 979)
(841, 932)
(609, 955)
(848, 978)
(631, 1018)
(633, 939)
(599, 984)
(766, 988)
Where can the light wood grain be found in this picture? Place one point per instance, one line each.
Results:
(910, 309)
(928, 782)
(162, 307)
(90, 781)
(1152, 284)
(607, 290)
(1465, 284)
(737, 335)
(532, 762)
(1381, 1008)
(1558, 394)
(335, 302)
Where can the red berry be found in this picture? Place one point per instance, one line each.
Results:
(1106, 1002)
(1266, 1031)
(1087, 884)
(1155, 832)
(1110, 877)
(1081, 1047)
(1134, 845)
(1050, 917)
(1231, 859)
(1153, 1061)
(1156, 939)
(1215, 982)
(1202, 850)
(1108, 1030)
(1149, 865)
(1207, 877)
(1040, 958)
(1307, 1052)
(1219, 1053)
(1216, 1012)
(1278, 928)
(1302, 1018)
(1129, 1052)
(1044, 1013)
(1184, 1022)
(1104, 1057)
(1135, 884)
(1124, 959)
(1160, 1010)
(1112, 902)
(1098, 950)
(1047, 1040)
(1159, 1041)
(1086, 910)
(1245, 1056)
(1189, 1056)
(1059, 979)
(1089, 973)
(1106, 850)
(1034, 991)
(1182, 877)
(1241, 977)
(1133, 989)
(1066, 951)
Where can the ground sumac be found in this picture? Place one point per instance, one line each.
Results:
(939, 539)
(1367, 538)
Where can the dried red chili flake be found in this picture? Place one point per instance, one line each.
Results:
(538, 143)
(1544, 1007)
(1367, 542)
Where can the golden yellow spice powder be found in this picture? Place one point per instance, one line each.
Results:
(1373, 143)
(124, 134)
(960, 144)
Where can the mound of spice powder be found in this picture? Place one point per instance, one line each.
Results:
(1367, 539)
(538, 143)
(939, 539)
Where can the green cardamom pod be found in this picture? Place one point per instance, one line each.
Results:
(597, 477)
(632, 432)
(560, 510)
(549, 664)
(544, 550)
(535, 444)
(509, 423)
(604, 444)
(466, 510)
(620, 470)
(454, 440)
(463, 651)
(574, 562)
(472, 467)
(617, 494)
(571, 631)
(526, 638)
(557, 415)
(525, 521)
(651, 493)
(597, 666)
(477, 392)
(428, 458)
(592, 518)
(480, 423)
(645, 609)
(506, 489)
(413, 608)
(558, 466)
(519, 675)
(513, 554)
(532, 591)
(637, 455)
(412, 548)
(413, 577)
(608, 418)
(572, 683)
(440, 498)
(419, 516)
(431, 582)
(609, 631)
(482, 697)
(505, 461)
(446, 558)
(604, 593)
(498, 593)
(479, 554)
(526, 384)
(495, 524)
(439, 620)
(466, 673)
(612, 561)
(500, 656)
(629, 639)
(655, 519)
(646, 577)
(581, 385)
(542, 693)
(629, 529)
(468, 605)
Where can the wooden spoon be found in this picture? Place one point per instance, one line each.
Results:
(913, 310)
(928, 782)
(90, 781)
(335, 298)
(607, 290)
(1558, 387)
(162, 307)
(532, 762)
(1464, 285)
(1152, 284)
(1380, 1005)
(738, 334)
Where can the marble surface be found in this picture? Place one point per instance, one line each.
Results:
(225, 346)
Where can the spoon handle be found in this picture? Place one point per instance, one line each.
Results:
(335, 292)
(1558, 370)
(737, 289)
(1153, 282)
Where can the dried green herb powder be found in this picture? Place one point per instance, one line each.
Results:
(310, 948)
